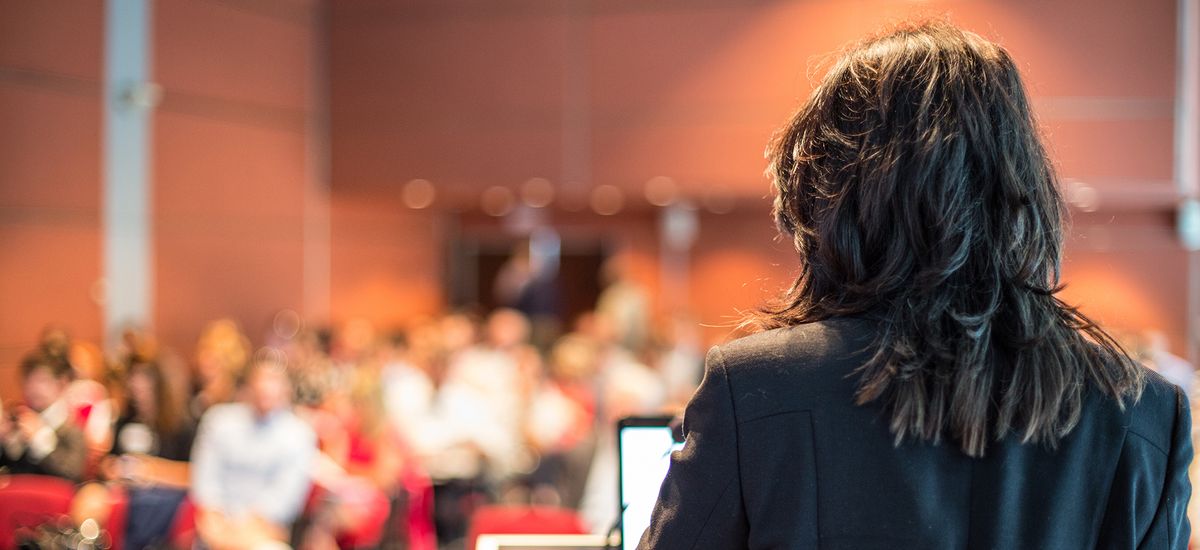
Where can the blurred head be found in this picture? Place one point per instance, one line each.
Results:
(138, 344)
(43, 379)
(458, 331)
(221, 352)
(573, 359)
(268, 387)
(151, 396)
(915, 187)
(54, 341)
(355, 339)
(507, 328)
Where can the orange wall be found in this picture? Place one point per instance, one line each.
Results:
(385, 261)
(231, 161)
(50, 67)
(233, 170)
(471, 94)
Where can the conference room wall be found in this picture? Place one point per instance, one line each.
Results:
(470, 94)
(474, 94)
(50, 71)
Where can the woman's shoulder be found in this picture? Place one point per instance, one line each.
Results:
(834, 339)
(1155, 413)
(794, 367)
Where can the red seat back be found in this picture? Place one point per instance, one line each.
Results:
(524, 520)
(27, 501)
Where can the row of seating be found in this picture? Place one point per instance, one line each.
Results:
(29, 501)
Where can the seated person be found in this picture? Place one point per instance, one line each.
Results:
(94, 398)
(38, 436)
(149, 456)
(250, 464)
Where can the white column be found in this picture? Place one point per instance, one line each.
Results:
(678, 226)
(129, 99)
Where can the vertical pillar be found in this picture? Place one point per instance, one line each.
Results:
(1187, 159)
(678, 226)
(129, 100)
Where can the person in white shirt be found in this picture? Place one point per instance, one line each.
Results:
(251, 464)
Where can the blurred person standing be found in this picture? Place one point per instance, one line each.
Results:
(251, 463)
(39, 435)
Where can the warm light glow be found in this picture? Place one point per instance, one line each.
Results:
(418, 194)
(287, 324)
(607, 199)
(661, 191)
(1083, 196)
(497, 201)
(537, 192)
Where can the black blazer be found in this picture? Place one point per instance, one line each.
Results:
(778, 456)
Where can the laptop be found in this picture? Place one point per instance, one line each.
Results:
(644, 447)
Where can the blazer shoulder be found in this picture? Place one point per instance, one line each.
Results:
(795, 367)
(797, 344)
(1154, 414)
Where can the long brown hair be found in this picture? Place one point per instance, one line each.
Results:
(915, 187)
(169, 414)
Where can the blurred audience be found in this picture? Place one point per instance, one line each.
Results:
(331, 438)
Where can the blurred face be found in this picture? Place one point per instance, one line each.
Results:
(141, 391)
(209, 365)
(269, 389)
(507, 329)
(41, 389)
(458, 332)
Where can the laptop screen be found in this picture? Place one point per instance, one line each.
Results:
(644, 445)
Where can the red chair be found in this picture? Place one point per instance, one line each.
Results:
(183, 530)
(374, 507)
(524, 520)
(27, 501)
(418, 517)
(118, 516)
